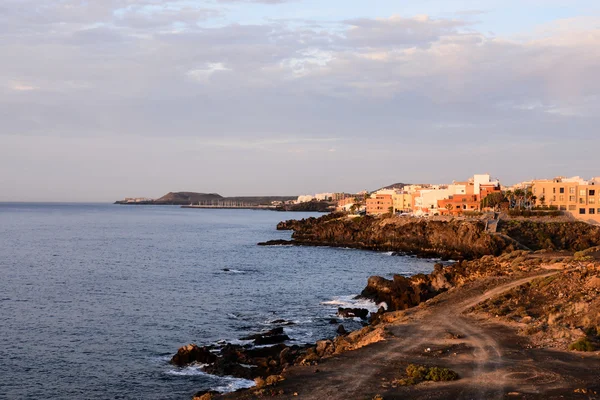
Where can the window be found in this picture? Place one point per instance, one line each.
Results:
(591, 200)
(561, 197)
(572, 208)
(592, 211)
(534, 190)
(562, 190)
(582, 211)
(571, 190)
(582, 192)
(553, 198)
(592, 192)
(581, 200)
(553, 190)
(572, 199)
(563, 208)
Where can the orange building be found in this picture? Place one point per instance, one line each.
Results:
(380, 204)
(459, 203)
(576, 196)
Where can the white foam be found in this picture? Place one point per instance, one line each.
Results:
(389, 253)
(233, 384)
(352, 302)
(192, 370)
(233, 271)
(226, 384)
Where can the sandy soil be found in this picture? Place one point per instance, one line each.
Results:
(493, 362)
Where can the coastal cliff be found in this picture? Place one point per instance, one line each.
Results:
(449, 238)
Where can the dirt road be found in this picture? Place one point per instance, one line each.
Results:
(492, 360)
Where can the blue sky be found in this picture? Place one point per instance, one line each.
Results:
(107, 99)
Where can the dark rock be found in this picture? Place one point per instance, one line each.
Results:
(341, 330)
(282, 322)
(192, 353)
(333, 321)
(361, 313)
(273, 332)
(277, 243)
(264, 340)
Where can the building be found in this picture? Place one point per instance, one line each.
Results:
(425, 201)
(379, 204)
(305, 198)
(324, 196)
(345, 204)
(467, 196)
(402, 202)
(576, 196)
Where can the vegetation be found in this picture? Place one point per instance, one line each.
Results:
(582, 344)
(435, 374)
(493, 200)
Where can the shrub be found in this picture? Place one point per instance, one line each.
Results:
(436, 374)
(582, 344)
(417, 371)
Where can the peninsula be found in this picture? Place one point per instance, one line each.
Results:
(518, 316)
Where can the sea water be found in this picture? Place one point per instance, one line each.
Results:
(96, 298)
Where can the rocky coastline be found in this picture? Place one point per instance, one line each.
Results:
(484, 259)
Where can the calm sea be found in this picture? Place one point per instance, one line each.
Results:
(94, 298)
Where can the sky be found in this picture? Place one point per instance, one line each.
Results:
(106, 99)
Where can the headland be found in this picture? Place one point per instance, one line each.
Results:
(518, 316)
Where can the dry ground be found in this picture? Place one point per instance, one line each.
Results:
(492, 360)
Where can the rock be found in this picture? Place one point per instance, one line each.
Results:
(341, 330)
(272, 332)
(192, 353)
(260, 382)
(282, 322)
(361, 313)
(333, 321)
(264, 340)
(273, 379)
(272, 336)
(324, 347)
(223, 367)
(205, 395)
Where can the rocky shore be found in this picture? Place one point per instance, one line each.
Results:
(498, 296)
(448, 238)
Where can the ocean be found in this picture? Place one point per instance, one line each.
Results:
(96, 298)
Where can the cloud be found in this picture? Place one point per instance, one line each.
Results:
(382, 87)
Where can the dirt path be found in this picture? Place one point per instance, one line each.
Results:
(492, 361)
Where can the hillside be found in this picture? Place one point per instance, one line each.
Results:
(184, 198)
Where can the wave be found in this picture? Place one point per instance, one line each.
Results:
(223, 384)
(192, 370)
(352, 302)
(233, 271)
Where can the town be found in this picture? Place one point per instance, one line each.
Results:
(574, 197)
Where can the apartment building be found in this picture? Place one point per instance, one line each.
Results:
(379, 204)
(402, 202)
(575, 195)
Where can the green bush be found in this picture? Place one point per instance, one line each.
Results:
(582, 344)
(436, 374)
(417, 371)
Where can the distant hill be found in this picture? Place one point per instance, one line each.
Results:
(398, 185)
(184, 198)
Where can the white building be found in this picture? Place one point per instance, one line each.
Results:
(305, 198)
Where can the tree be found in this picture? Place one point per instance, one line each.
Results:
(519, 196)
(449, 207)
(391, 210)
(543, 200)
(492, 200)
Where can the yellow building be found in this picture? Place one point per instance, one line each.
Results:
(578, 197)
(402, 202)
